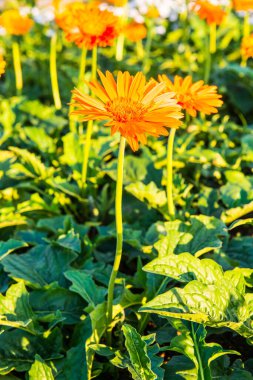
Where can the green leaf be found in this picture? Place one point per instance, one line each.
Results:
(191, 343)
(47, 302)
(18, 349)
(15, 307)
(10, 246)
(218, 300)
(32, 166)
(70, 241)
(180, 367)
(240, 222)
(240, 251)
(40, 371)
(185, 268)
(137, 349)
(155, 197)
(41, 266)
(41, 139)
(86, 287)
(72, 149)
(198, 236)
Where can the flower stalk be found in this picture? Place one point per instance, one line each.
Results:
(171, 207)
(119, 236)
(82, 67)
(213, 33)
(53, 72)
(89, 125)
(17, 67)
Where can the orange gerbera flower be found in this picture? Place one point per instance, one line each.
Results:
(193, 97)
(2, 65)
(213, 14)
(247, 47)
(88, 26)
(134, 31)
(243, 5)
(133, 107)
(14, 23)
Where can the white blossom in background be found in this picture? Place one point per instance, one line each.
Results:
(167, 8)
(44, 11)
(129, 10)
(43, 16)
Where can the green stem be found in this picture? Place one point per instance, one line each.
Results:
(148, 45)
(208, 60)
(139, 49)
(82, 66)
(171, 207)
(90, 125)
(213, 32)
(119, 234)
(17, 67)
(53, 72)
(145, 319)
(201, 375)
(120, 47)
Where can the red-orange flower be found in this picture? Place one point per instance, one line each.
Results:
(2, 65)
(243, 5)
(247, 47)
(193, 97)
(133, 107)
(14, 23)
(134, 31)
(213, 14)
(88, 26)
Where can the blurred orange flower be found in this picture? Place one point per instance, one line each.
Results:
(193, 97)
(247, 47)
(2, 65)
(243, 5)
(133, 107)
(14, 23)
(213, 14)
(118, 3)
(134, 31)
(88, 26)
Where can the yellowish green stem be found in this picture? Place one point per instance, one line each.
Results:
(171, 207)
(82, 67)
(139, 49)
(17, 67)
(90, 124)
(53, 72)
(213, 33)
(120, 47)
(150, 34)
(119, 234)
(208, 60)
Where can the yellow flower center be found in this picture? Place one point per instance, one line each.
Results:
(124, 110)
